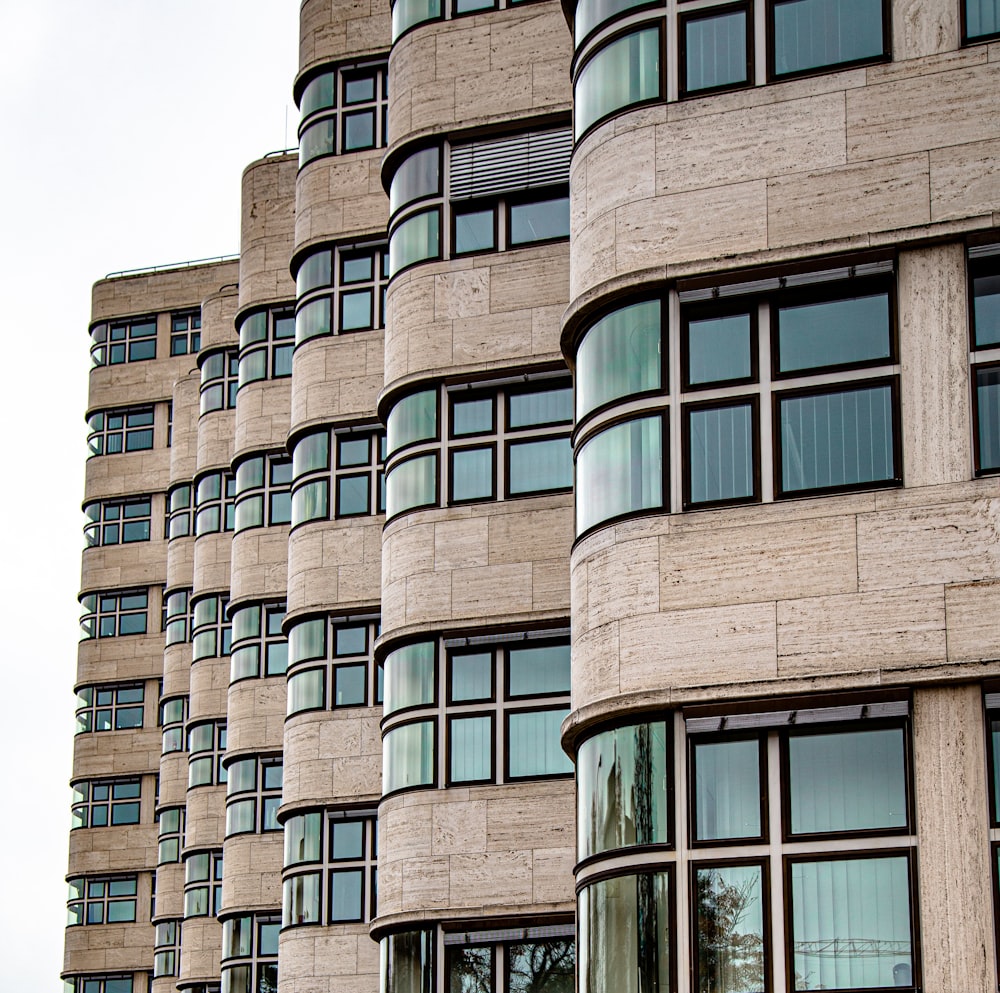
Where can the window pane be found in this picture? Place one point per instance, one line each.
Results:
(533, 744)
(316, 140)
(811, 34)
(353, 496)
(408, 958)
(471, 677)
(721, 453)
(540, 466)
(412, 484)
(850, 922)
(302, 838)
(300, 900)
(348, 839)
(727, 789)
(345, 895)
(539, 221)
(310, 502)
(408, 756)
(311, 321)
(349, 686)
(590, 13)
(472, 474)
(416, 239)
(356, 310)
(836, 439)
(470, 749)
(982, 17)
(359, 130)
(622, 789)
(730, 929)
(350, 640)
(470, 970)
(988, 417)
(986, 288)
(851, 781)
(306, 691)
(420, 174)
(833, 333)
(537, 671)
(625, 72)
(409, 676)
(715, 51)
(619, 471)
(619, 356)
(542, 967)
(474, 230)
(414, 418)
(718, 349)
(317, 269)
(472, 416)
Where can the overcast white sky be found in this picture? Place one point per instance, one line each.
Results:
(124, 128)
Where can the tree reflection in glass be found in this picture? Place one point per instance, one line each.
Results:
(730, 932)
(542, 967)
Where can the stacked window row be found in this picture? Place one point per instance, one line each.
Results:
(258, 648)
(109, 708)
(263, 491)
(166, 948)
(267, 340)
(170, 835)
(468, 444)
(408, 14)
(99, 984)
(984, 293)
(344, 109)
(113, 614)
(502, 194)
(338, 473)
(330, 867)
(220, 372)
(173, 712)
(332, 664)
(250, 954)
(474, 712)
(202, 884)
(106, 802)
(341, 290)
(118, 522)
(207, 748)
(211, 631)
(102, 900)
(253, 794)
(798, 836)
(215, 503)
(767, 395)
(134, 339)
(115, 431)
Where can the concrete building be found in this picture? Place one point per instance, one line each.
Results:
(603, 414)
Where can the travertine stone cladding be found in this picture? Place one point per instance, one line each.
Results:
(202, 939)
(172, 289)
(115, 849)
(114, 567)
(215, 439)
(333, 757)
(112, 947)
(477, 565)
(180, 562)
(205, 821)
(955, 902)
(211, 563)
(209, 689)
(252, 880)
(330, 31)
(341, 196)
(266, 231)
(129, 472)
(127, 659)
(921, 28)
(730, 603)
(169, 893)
(173, 779)
(476, 314)
(331, 960)
(262, 416)
(335, 565)
(477, 852)
(260, 563)
(853, 159)
(337, 378)
(116, 753)
(256, 716)
(498, 66)
(218, 315)
(184, 428)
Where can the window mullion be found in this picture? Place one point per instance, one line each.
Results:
(683, 903)
(675, 478)
(776, 867)
(766, 438)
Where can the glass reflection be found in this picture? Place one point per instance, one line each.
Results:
(729, 937)
(833, 333)
(727, 789)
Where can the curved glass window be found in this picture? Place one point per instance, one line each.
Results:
(263, 491)
(624, 73)
(413, 418)
(622, 789)
(619, 471)
(619, 356)
(258, 649)
(408, 13)
(411, 484)
(306, 691)
(415, 239)
(266, 345)
(624, 937)
(219, 379)
(115, 431)
(407, 962)
(417, 177)
(118, 522)
(409, 757)
(590, 13)
(180, 504)
(132, 340)
(300, 899)
(410, 676)
(303, 838)
(816, 34)
(214, 507)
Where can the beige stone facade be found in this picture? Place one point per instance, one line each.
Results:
(542, 537)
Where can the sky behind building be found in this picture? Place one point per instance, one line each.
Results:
(126, 126)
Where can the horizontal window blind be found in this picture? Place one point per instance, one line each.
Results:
(526, 161)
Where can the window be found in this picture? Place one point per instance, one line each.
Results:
(263, 491)
(408, 14)
(172, 714)
(343, 110)
(219, 379)
(185, 333)
(257, 639)
(102, 900)
(715, 49)
(207, 745)
(355, 479)
(497, 710)
(341, 290)
(513, 960)
(502, 193)
(166, 948)
(496, 443)
(170, 823)
(984, 294)
(332, 856)
(212, 632)
(99, 984)
(785, 387)
(253, 792)
(117, 342)
(332, 664)
(179, 510)
(202, 884)
(117, 522)
(109, 708)
(801, 816)
(407, 962)
(178, 617)
(266, 345)
(980, 20)
(109, 615)
(106, 802)
(215, 495)
(115, 431)
(250, 954)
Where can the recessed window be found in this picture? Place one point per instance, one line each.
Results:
(99, 984)
(166, 948)
(118, 342)
(170, 835)
(118, 522)
(115, 431)
(212, 632)
(482, 964)
(185, 333)
(258, 648)
(263, 491)
(715, 50)
(173, 711)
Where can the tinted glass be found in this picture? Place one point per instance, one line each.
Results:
(982, 18)
(718, 349)
(727, 789)
(408, 756)
(471, 677)
(416, 239)
(541, 220)
(474, 231)
(409, 676)
(533, 744)
(414, 418)
(542, 967)
(345, 895)
(412, 484)
(811, 34)
(986, 296)
(988, 417)
(721, 453)
(407, 13)
(590, 13)
(715, 51)
(539, 466)
(537, 671)
(472, 474)
(417, 176)
(470, 749)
